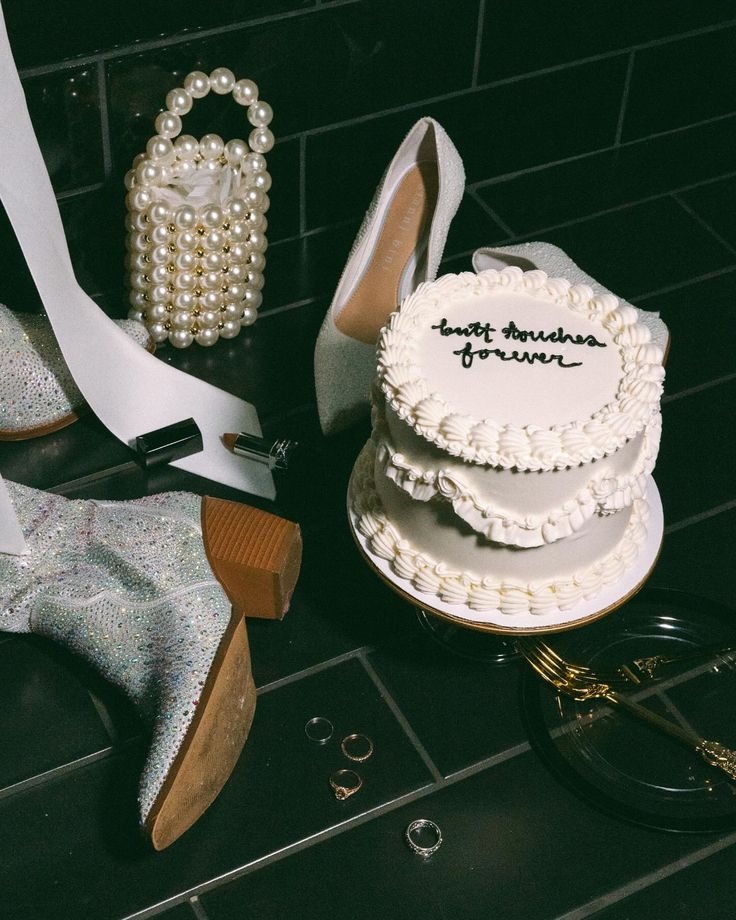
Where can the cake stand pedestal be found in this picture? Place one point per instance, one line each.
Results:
(438, 617)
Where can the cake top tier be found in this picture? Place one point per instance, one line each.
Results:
(516, 369)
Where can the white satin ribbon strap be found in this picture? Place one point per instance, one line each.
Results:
(12, 540)
(129, 390)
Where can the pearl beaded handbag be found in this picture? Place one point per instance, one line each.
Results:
(196, 220)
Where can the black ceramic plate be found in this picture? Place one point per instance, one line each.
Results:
(611, 759)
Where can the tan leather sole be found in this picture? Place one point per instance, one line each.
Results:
(213, 743)
(405, 225)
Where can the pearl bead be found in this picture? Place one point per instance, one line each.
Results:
(222, 80)
(250, 315)
(147, 173)
(213, 216)
(238, 232)
(256, 220)
(137, 300)
(159, 274)
(160, 255)
(232, 311)
(181, 319)
(139, 243)
(257, 261)
(236, 273)
(139, 199)
(213, 261)
(211, 146)
(236, 208)
(254, 198)
(184, 281)
(254, 279)
(257, 241)
(253, 298)
(186, 240)
(245, 92)
(141, 262)
(235, 151)
(184, 169)
(262, 181)
(138, 158)
(158, 213)
(181, 338)
(210, 166)
(159, 293)
(166, 174)
(212, 300)
(186, 147)
(185, 300)
(255, 162)
(158, 332)
(179, 101)
(236, 291)
(186, 261)
(260, 114)
(214, 239)
(197, 84)
(160, 234)
(185, 217)
(239, 252)
(210, 281)
(136, 315)
(129, 179)
(208, 319)
(230, 329)
(140, 221)
(156, 313)
(207, 337)
(261, 140)
(168, 124)
(160, 148)
(266, 204)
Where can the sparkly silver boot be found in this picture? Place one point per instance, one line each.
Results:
(131, 587)
(37, 392)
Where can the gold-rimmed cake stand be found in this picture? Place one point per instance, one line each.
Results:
(433, 611)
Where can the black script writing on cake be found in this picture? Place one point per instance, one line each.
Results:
(468, 355)
(559, 335)
(476, 329)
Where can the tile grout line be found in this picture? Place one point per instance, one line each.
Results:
(668, 289)
(703, 223)
(302, 185)
(62, 770)
(478, 43)
(702, 516)
(624, 99)
(401, 718)
(646, 881)
(197, 909)
(314, 669)
(474, 196)
(690, 391)
(105, 141)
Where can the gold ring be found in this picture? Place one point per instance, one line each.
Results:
(338, 782)
(364, 745)
(423, 831)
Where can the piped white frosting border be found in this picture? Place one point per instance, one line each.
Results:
(510, 597)
(603, 494)
(530, 447)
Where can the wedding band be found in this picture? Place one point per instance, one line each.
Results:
(357, 747)
(423, 827)
(345, 783)
(319, 730)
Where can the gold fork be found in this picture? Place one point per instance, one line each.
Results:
(588, 686)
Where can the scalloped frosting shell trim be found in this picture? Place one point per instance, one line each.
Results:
(530, 447)
(483, 594)
(602, 495)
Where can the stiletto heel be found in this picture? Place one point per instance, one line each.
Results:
(398, 246)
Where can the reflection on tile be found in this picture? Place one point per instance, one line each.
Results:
(681, 82)
(716, 204)
(536, 115)
(278, 795)
(47, 719)
(65, 111)
(496, 827)
(613, 178)
(700, 351)
(518, 39)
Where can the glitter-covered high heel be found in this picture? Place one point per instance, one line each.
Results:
(37, 392)
(398, 246)
(153, 592)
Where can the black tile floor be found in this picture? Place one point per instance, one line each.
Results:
(449, 733)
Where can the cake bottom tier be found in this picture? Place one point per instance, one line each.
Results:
(442, 557)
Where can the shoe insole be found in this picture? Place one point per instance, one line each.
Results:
(403, 234)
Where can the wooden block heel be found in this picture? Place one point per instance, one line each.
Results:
(255, 556)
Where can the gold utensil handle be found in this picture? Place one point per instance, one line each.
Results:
(713, 752)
